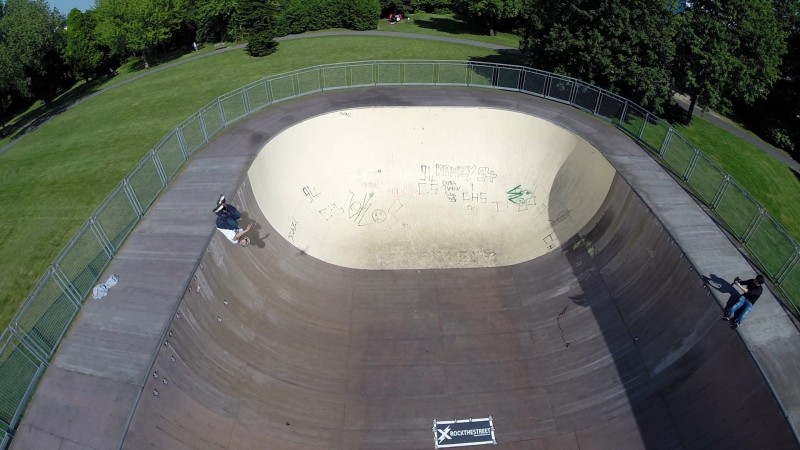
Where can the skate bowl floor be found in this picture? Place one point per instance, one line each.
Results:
(421, 188)
(398, 276)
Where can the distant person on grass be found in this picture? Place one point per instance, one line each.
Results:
(228, 222)
(752, 289)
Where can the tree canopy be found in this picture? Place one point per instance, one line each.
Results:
(84, 53)
(625, 46)
(30, 49)
(137, 26)
(727, 50)
(490, 12)
(777, 118)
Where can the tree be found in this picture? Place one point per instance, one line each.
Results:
(777, 117)
(136, 27)
(84, 53)
(623, 46)
(491, 12)
(360, 14)
(727, 50)
(31, 44)
(212, 19)
(257, 19)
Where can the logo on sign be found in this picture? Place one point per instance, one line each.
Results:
(461, 433)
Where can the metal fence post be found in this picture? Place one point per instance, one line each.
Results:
(203, 128)
(246, 102)
(645, 121)
(692, 163)
(573, 93)
(788, 266)
(268, 91)
(597, 102)
(66, 285)
(133, 198)
(104, 241)
(548, 81)
(32, 347)
(624, 111)
(751, 229)
(726, 181)
(182, 143)
(40, 368)
(221, 112)
(159, 168)
(665, 143)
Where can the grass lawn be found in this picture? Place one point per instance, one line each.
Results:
(82, 89)
(55, 177)
(771, 182)
(447, 25)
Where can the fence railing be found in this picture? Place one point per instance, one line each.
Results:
(30, 341)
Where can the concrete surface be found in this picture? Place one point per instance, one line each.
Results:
(421, 188)
(613, 340)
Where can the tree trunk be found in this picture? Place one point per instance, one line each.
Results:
(692, 104)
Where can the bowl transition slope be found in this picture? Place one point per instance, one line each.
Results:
(608, 342)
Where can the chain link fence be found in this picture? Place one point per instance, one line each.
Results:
(29, 343)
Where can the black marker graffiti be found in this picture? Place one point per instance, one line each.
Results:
(293, 229)
(450, 188)
(549, 242)
(310, 193)
(330, 211)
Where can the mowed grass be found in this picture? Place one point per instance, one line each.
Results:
(771, 182)
(55, 177)
(774, 185)
(448, 25)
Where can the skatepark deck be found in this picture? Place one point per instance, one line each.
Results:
(612, 339)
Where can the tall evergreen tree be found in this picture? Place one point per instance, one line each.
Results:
(257, 20)
(621, 45)
(728, 50)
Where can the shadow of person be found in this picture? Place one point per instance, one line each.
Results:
(255, 232)
(724, 287)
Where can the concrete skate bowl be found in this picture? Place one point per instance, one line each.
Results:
(399, 275)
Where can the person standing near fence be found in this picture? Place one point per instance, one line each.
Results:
(752, 290)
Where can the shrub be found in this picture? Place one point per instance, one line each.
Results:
(782, 138)
(434, 6)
